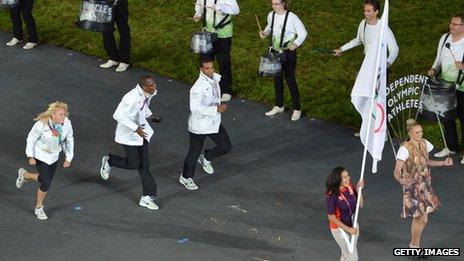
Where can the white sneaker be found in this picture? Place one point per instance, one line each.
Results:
(226, 97)
(29, 46)
(147, 202)
(122, 67)
(105, 168)
(296, 115)
(274, 111)
(20, 180)
(40, 213)
(462, 160)
(13, 42)
(357, 134)
(108, 64)
(443, 153)
(188, 183)
(207, 167)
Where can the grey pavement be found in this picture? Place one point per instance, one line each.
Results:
(265, 201)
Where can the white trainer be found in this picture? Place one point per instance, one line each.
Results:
(147, 202)
(443, 153)
(188, 183)
(13, 42)
(105, 168)
(296, 115)
(108, 64)
(40, 213)
(29, 46)
(226, 97)
(357, 134)
(274, 111)
(207, 167)
(20, 180)
(462, 160)
(122, 67)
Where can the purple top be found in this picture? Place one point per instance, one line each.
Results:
(338, 206)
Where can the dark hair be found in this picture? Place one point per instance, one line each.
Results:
(374, 3)
(203, 60)
(460, 15)
(285, 3)
(334, 180)
(146, 79)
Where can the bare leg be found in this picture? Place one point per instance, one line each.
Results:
(31, 176)
(417, 227)
(40, 198)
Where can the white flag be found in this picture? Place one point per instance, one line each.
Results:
(369, 93)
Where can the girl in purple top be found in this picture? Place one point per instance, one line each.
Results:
(341, 199)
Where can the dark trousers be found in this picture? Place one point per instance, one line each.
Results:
(137, 157)
(24, 9)
(451, 134)
(221, 50)
(223, 146)
(288, 71)
(46, 174)
(121, 18)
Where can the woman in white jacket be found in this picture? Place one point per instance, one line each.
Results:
(205, 120)
(51, 134)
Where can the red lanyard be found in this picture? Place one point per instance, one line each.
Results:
(343, 196)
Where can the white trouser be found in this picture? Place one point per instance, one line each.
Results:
(346, 255)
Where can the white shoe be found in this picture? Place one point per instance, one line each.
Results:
(357, 134)
(462, 160)
(443, 153)
(207, 167)
(40, 213)
(226, 97)
(274, 111)
(20, 180)
(122, 67)
(188, 183)
(147, 202)
(105, 168)
(296, 115)
(13, 42)
(108, 64)
(29, 46)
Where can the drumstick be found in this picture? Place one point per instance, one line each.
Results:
(209, 7)
(257, 21)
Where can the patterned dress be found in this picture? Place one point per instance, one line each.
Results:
(418, 196)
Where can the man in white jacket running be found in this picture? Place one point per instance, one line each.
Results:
(133, 132)
(205, 121)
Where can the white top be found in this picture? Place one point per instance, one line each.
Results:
(403, 153)
(130, 114)
(444, 59)
(205, 96)
(229, 7)
(294, 28)
(46, 147)
(367, 39)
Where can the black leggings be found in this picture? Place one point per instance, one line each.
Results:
(121, 18)
(46, 173)
(24, 9)
(288, 71)
(221, 50)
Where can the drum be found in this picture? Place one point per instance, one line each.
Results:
(438, 97)
(9, 3)
(270, 64)
(97, 15)
(202, 42)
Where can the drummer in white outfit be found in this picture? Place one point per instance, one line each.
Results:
(134, 132)
(205, 121)
(51, 134)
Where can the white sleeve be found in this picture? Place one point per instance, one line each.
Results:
(403, 154)
(123, 112)
(437, 63)
(269, 22)
(392, 46)
(69, 144)
(230, 7)
(196, 94)
(357, 40)
(32, 137)
(199, 9)
(429, 146)
(300, 30)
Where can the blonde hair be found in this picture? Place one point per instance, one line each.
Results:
(52, 108)
(411, 123)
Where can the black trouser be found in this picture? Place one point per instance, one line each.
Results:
(137, 157)
(223, 146)
(221, 50)
(288, 70)
(451, 134)
(121, 18)
(46, 173)
(24, 9)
